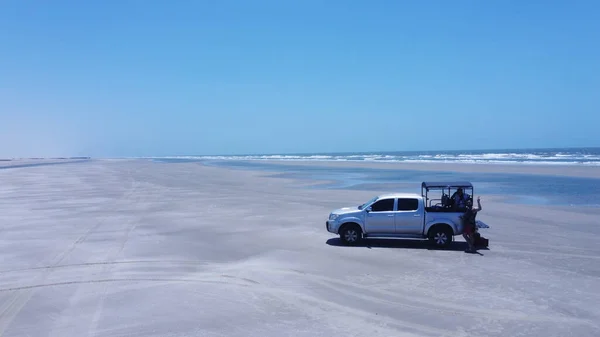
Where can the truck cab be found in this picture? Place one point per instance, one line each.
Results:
(431, 215)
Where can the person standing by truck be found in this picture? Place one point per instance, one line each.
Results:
(469, 225)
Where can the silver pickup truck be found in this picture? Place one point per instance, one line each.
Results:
(406, 215)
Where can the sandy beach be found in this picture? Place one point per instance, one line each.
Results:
(137, 248)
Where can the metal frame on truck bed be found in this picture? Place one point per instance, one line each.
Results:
(404, 215)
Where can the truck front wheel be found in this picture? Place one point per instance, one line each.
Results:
(350, 234)
(440, 236)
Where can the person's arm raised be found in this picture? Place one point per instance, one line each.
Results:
(479, 208)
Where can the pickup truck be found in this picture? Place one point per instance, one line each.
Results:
(406, 215)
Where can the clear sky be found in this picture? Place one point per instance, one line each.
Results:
(152, 78)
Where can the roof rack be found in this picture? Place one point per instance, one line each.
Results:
(446, 184)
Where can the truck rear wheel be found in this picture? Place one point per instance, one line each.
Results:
(351, 234)
(440, 236)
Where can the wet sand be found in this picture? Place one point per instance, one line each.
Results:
(588, 171)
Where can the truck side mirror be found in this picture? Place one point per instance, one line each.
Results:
(368, 209)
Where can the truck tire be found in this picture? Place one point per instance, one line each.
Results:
(350, 234)
(440, 235)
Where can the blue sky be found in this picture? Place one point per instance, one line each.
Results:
(143, 78)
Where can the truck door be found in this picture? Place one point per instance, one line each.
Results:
(408, 218)
(381, 217)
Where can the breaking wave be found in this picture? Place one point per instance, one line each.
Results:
(540, 157)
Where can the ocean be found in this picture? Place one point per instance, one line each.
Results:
(518, 188)
(573, 156)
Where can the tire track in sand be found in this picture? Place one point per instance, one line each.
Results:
(65, 322)
(107, 268)
(316, 306)
(408, 299)
(11, 308)
(223, 280)
(101, 263)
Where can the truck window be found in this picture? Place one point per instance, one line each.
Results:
(383, 205)
(408, 204)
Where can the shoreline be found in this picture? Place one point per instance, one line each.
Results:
(568, 188)
(534, 169)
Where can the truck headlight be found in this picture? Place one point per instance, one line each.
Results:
(333, 216)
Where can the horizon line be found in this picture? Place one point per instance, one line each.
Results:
(303, 153)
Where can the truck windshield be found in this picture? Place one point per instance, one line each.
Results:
(367, 203)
